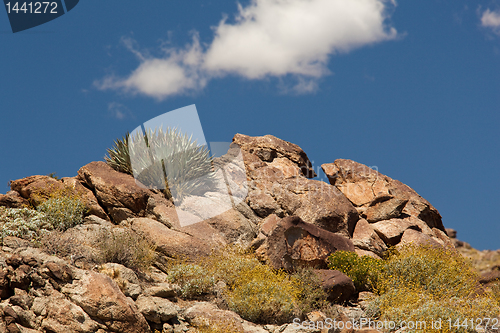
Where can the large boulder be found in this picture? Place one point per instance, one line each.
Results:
(118, 192)
(289, 243)
(277, 175)
(338, 286)
(172, 243)
(101, 298)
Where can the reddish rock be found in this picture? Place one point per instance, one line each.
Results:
(13, 199)
(36, 188)
(117, 192)
(337, 285)
(293, 243)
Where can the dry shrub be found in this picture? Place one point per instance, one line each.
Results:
(427, 284)
(124, 246)
(64, 245)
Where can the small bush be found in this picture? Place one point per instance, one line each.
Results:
(425, 284)
(363, 271)
(63, 212)
(255, 291)
(125, 247)
(24, 223)
(192, 278)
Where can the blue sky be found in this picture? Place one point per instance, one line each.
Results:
(411, 87)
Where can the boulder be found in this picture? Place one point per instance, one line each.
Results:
(314, 201)
(338, 286)
(392, 230)
(36, 188)
(366, 238)
(61, 316)
(385, 210)
(118, 192)
(268, 148)
(156, 309)
(292, 243)
(364, 186)
(208, 315)
(172, 243)
(87, 196)
(101, 298)
(13, 199)
(411, 236)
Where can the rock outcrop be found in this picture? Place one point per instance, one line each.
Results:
(289, 219)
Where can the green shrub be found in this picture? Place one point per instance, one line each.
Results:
(124, 246)
(253, 290)
(24, 223)
(363, 271)
(178, 165)
(63, 212)
(426, 284)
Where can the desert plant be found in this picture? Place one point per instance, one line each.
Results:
(363, 271)
(167, 160)
(192, 278)
(24, 223)
(424, 284)
(253, 290)
(63, 212)
(124, 246)
(312, 296)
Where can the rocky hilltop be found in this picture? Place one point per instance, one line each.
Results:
(287, 219)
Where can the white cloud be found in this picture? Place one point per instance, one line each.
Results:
(269, 38)
(491, 19)
(119, 111)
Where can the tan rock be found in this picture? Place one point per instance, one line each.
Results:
(87, 196)
(365, 238)
(156, 309)
(174, 244)
(363, 185)
(42, 186)
(385, 210)
(267, 148)
(391, 231)
(101, 298)
(411, 236)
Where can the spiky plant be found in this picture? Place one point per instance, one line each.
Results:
(167, 160)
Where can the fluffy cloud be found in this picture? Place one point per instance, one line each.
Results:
(491, 19)
(268, 38)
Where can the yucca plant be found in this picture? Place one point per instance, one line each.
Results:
(167, 160)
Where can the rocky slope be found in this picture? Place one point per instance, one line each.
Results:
(287, 218)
